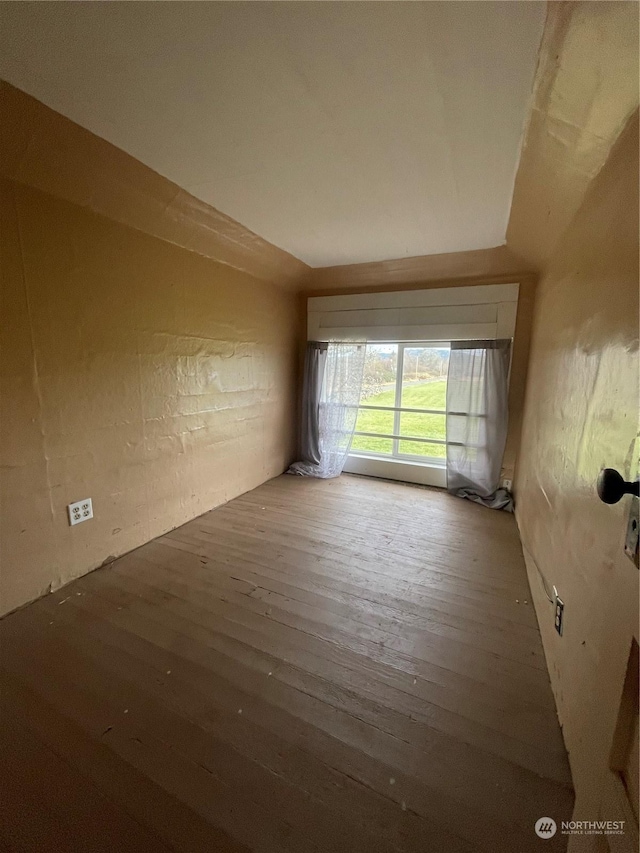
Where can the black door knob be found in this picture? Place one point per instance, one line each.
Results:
(611, 486)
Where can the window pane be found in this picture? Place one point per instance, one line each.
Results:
(380, 373)
(375, 421)
(366, 444)
(422, 385)
(421, 448)
(423, 426)
(424, 377)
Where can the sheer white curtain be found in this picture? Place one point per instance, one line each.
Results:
(329, 407)
(477, 418)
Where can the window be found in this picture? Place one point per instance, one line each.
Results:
(403, 401)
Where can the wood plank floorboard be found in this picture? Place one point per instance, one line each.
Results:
(345, 665)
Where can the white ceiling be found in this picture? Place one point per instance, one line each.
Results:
(341, 132)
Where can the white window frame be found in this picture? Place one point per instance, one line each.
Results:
(398, 409)
(440, 315)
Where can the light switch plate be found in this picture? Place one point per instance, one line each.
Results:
(633, 532)
(80, 511)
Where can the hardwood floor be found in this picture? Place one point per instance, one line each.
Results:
(345, 665)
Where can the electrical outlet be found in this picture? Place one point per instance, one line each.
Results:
(80, 511)
(558, 612)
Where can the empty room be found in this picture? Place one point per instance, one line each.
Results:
(319, 427)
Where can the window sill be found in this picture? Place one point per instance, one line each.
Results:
(424, 473)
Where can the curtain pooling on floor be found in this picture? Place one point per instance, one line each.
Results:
(477, 419)
(330, 398)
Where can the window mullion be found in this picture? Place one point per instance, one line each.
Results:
(398, 401)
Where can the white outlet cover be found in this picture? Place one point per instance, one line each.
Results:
(80, 511)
